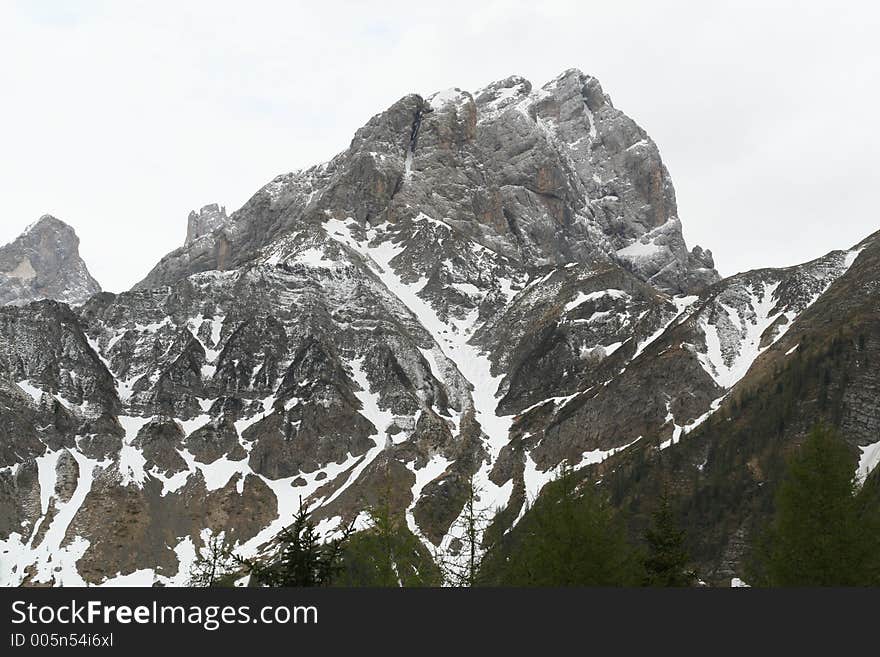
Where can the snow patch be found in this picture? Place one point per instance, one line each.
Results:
(868, 460)
(582, 298)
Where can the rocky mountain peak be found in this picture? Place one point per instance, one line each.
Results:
(540, 176)
(44, 263)
(205, 221)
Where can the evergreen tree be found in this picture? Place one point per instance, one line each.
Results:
(386, 553)
(299, 557)
(568, 539)
(820, 534)
(666, 563)
(868, 502)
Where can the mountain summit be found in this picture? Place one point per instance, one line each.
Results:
(545, 176)
(44, 263)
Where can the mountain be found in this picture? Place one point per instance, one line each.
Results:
(539, 177)
(820, 367)
(483, 285)
(44, 263)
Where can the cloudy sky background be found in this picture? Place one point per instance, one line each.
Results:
(119, 118)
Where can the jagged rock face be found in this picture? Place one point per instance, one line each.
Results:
(682, 375)
(484, 285)
(44, 263)
(551, 176)
(207, 220)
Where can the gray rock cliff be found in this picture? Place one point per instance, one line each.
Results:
(44, 263)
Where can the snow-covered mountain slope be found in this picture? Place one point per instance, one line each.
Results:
(312, 369)
(679, 375)
(44, 263)
(482, 286)
(799, 346)
(752, 311)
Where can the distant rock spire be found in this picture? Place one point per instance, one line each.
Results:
(44, 263)
(205, 221)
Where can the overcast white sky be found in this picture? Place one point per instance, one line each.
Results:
(120, 117)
